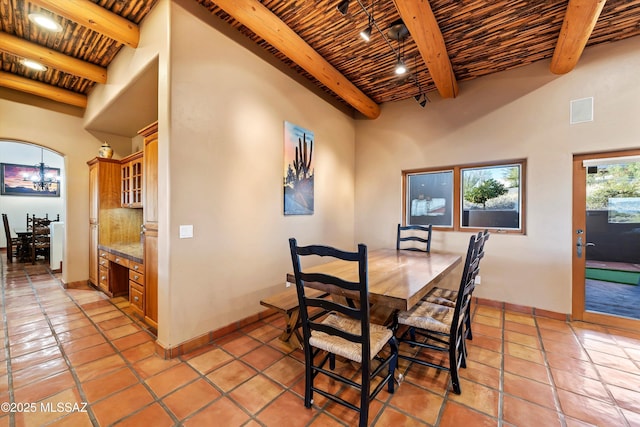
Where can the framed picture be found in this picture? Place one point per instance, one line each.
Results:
(299, 170)
(20, 180)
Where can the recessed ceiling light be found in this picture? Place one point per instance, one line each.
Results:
(45, 21)
(33, 65)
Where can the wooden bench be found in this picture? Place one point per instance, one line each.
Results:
(286, 302)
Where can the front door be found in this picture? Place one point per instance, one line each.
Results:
(606, 238)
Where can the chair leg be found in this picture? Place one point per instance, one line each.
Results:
(453, 368)
(393, 363)
(308, 380)
(467, 321)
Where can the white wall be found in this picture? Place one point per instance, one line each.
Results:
(522, 113)
(225, 150)
(17, 207)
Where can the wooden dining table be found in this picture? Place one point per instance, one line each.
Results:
(398, 279)
(25, 237)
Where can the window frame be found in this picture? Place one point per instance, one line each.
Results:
(457, 194)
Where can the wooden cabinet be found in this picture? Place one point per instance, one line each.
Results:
(104, 195)
(150, 224)
(131, 175)
(136, 288)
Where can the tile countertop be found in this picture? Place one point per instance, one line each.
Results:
(132, 251)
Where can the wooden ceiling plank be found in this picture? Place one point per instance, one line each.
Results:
(51, 58)
(423, 27)
(260, 20)
(44, 90)
(579, 21)
(96, 18)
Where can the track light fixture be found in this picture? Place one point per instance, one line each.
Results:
(421, 99)
(366, 33)
(343, 7)
(401, 68)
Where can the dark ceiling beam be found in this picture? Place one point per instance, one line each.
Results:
(260, 20)
(423, 27)
(579, 21)
(94, 17)
(51, 58)
(44, 90)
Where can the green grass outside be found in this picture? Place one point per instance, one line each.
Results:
(616, 276)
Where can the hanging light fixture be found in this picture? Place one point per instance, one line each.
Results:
(41, 180)
(398, 31)
(366, 33)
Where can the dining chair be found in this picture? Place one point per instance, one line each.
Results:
(40, 238)
(345, 331)
(14, 244)
(447, 297)
(441, 328)
(414, 237)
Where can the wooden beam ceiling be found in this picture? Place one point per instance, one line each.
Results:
(51, 58)
(423, 27)
(94, 17)
(260, 20)
(579, 21)
(35, 87)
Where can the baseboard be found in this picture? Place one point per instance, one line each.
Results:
(533, 311)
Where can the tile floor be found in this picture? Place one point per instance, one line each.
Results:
(73, 358)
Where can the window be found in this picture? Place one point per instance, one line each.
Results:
(467, 197)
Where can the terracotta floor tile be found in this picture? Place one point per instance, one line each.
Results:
(610, 361)
(74, 419)
(262, 357)
(488, 343)
(121, 404)
(456, 415)
(478, 397)
(632, 417)
(77, 333)
(256, 393)
(191, 398)
(555, 325)
(483, 374)
(533, 391)
(489, 331)
(511, 326)
(590, 410)
(82, 343)
(44, 388)
(37, 372)
(232, 375)
(524, 352)
(35, 358)
(91, 354)
(264, 333)
(620, 378)
(153, 415)
(496, 322)
(418, 402)
(527, 369)
(481, 355)
(238, 345)
(121, 331)
(429, 378)
(30, 336)
(567, 363)
(139, 352)
(626, 398)
(210, 360)
(287, 410)
(285, 371)
(324, 420)
(128, 341)
(581, 385)
(152, 365)
(522, 413)
(23, 348)
(99, 367)
(171, 379)
(221, 409)
(488, 311)
(48, 410)
(523, 339)
(108, 384)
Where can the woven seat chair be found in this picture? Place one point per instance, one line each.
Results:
(441, 328)
(447, 297)
(345, 331)
(414, 238)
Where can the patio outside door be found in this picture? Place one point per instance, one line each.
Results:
(606, 238)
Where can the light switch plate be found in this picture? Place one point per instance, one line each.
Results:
(186, 231)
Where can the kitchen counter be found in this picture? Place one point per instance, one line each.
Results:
(131, 251)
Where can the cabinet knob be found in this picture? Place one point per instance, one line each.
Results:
(136, 299)
(103, 278)
(136, 277)
(117, 259)
(135, 267)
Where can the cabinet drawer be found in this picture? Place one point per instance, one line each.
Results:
(136, 296)
(136, 266)
(103, 262)
(103, 278)
(136, 277)
(103, 254)
(119, 260)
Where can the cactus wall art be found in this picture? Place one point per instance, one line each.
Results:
(298, 170)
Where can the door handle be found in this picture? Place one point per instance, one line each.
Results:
(579, 247)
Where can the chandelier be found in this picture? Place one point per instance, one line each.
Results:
(40, 178)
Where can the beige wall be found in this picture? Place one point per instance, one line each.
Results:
(522, 113)
(228, 109)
